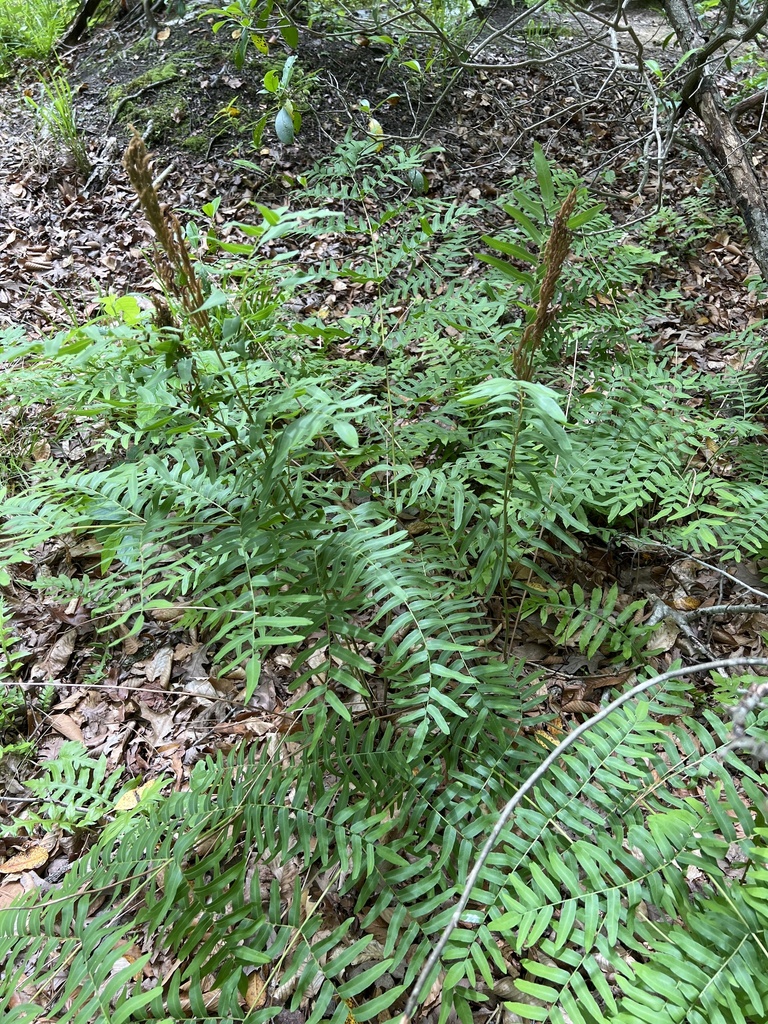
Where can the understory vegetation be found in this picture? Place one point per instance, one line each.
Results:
(384, 495)
(30, 28)
(376, 444)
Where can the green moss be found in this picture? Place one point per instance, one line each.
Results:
(196, 143)
(160, 98)
(166, 72)
(169, 114)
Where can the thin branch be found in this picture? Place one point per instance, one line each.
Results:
(526, 15)
(529, 783)
(757, 99)
(728, 575)
(725, 609)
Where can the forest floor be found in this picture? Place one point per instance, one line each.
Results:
(67, 238)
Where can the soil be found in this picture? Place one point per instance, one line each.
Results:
(67, 237)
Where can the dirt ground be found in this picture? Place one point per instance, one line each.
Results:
(67, 237)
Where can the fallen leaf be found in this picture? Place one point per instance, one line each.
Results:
(66, 726)
(10, 892)
(132, 798)
(58, 657)
(256, 992)
(158, 668)
(32, 858)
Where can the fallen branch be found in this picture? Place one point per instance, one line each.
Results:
(135, 95)
(724, 609)
(757, 99)
(528, 785)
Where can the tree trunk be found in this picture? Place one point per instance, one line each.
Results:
(80, 22)
(87, 10)
(734, 167)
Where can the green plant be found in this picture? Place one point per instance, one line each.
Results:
(252, 18)
(592, 623)
(692, 223)
(8, 642)
(606, 837)
(359, 487)
(290, 89)
(56, 114)
(13, 704)
(74, 793)
(540, 35)
(752, 69)
(31, 28)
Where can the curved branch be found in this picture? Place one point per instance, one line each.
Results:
(757, 99)
(529, 783)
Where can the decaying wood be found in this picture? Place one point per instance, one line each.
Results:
(726, 146)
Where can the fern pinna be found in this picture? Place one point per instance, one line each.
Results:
(359, 491)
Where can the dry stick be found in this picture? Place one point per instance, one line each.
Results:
(724, 609)
(757, 99)
(529, 783)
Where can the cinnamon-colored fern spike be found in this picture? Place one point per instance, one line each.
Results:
(176, 271)
(554, 255)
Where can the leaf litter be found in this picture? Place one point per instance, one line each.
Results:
(152, 707)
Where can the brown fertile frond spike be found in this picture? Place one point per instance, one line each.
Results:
(552, 259)
(136, 164)
(177, 274)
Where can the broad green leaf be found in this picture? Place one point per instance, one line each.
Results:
(271, 81)
(507, 269)
(509, 248)
(289, 32)
(284, 127)
(578, 220)
(346, 433)
(543, 176)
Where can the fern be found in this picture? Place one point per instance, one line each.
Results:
(574, 877)
(75, 792)
(593, 623)
(358, 490)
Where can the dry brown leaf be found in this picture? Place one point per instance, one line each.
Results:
(580, 707)
(686, 603)
(66, 726)
(162, 722)
(10, 892)
(665, 636)
(255, 992)
(131, 644)
(32, 858)
(158, 668)
(58, 657)
(132, 798)
(170, 614)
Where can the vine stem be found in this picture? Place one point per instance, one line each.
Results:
(529, 783)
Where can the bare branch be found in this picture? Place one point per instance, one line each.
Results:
(526, 787)
(512, 23)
